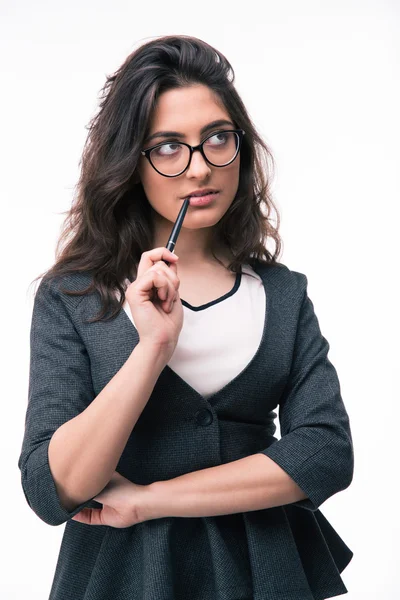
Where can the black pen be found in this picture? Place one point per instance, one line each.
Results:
(177, 227)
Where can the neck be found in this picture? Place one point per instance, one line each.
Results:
(193, 246)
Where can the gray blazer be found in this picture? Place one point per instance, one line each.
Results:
(288, 552)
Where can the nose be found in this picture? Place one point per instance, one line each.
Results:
(198, 167)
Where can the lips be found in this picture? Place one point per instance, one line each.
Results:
(200, 193)
(204, 200)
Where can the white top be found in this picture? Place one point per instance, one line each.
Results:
(220, 338)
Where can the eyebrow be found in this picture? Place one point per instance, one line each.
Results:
(167, 134)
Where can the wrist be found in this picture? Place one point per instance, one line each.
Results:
(156, 356)
(158, 352)
(153, 502)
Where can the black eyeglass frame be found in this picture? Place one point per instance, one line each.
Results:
(239, 132)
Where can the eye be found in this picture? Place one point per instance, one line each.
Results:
(218, 139)
(167, 149)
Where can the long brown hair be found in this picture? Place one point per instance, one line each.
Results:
(109, 224)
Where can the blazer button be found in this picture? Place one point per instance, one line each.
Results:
(204, 417)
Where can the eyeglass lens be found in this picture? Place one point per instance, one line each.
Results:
(172, 158)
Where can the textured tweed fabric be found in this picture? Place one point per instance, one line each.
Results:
(288, 552)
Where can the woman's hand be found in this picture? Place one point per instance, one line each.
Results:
(154, 300)
(121, 499)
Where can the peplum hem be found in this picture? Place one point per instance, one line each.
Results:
(228, 557)
(301, 544)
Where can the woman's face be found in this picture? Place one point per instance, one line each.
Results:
(187, 111)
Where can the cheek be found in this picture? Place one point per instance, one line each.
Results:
(158, 190)
(151, 181)
(148, 175)
(232, 175)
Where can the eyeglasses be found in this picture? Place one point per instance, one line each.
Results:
(219, 149)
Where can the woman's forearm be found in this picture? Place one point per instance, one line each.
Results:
(84, 452)
(251, 483)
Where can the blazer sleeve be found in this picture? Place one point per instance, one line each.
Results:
(60, 387)
(316, 447)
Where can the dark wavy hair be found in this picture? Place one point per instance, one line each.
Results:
(109, 224)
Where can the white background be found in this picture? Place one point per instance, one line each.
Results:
(321, 83)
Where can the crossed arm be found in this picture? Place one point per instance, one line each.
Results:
(251, 483)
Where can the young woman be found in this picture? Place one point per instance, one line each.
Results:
(154, 375)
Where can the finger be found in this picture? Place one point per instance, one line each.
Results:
(150, 280)
(166, 291)
(173, 286)
(167, 302)
(150, 257)
(162, 285)
(158, 282)
(171, 278)
(174, 267)
(89, 516)
(170, 272)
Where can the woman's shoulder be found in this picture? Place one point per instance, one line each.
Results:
(57, 286)
(286, 280)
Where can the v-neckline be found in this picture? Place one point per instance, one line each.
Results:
(232, 291)
(170, 372)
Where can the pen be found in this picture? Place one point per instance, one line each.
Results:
(177, 227)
